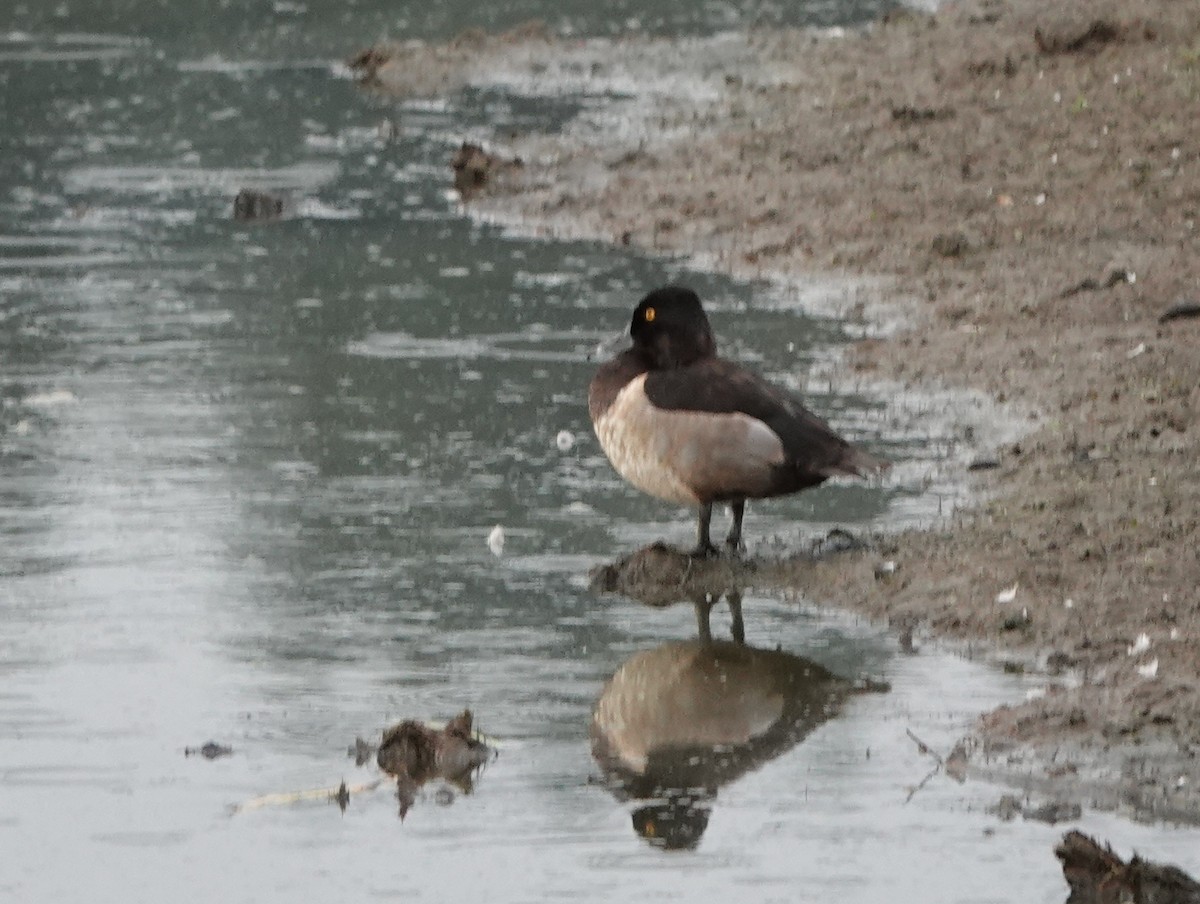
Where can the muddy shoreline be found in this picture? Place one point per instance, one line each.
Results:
(1028, 183)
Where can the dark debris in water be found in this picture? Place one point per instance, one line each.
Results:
(256, 206)
(416, 753)
(342, 796)
(210, 751)
(362, 751)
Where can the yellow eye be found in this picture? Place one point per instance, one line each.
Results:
(649, 315)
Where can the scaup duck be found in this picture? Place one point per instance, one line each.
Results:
(687, 426)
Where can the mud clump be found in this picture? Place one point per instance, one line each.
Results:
(475, 169)
(1097, 875)
(415, 754)
(1068, 37)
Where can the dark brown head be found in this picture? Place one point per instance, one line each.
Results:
(670, 329)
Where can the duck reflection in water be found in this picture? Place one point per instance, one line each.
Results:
(676, 723)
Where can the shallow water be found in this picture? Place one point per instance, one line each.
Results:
(249, 472)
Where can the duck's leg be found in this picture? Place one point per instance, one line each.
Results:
(738, 628)
(703, 617)
(734, 541)
(704, 547)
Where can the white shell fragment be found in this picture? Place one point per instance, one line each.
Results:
(495, 540)
(1149, 670)
(1141, 645)
(565, 440)
(1007, 596)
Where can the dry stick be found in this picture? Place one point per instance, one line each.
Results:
(284, 798)
(924, 748)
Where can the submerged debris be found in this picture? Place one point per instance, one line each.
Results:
(210, 751)
(250, 205)
(362, 751)
(342, 796)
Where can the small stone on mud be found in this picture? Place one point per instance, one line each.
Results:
(837, 540)
(1072, 37)
(950, 244)
(1180, 311)
(909, 114)
(1017, 622)
(1058, 662)
(984, 464)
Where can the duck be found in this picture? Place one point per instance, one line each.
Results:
(687, 426)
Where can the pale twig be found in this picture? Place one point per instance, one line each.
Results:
(284, 798)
